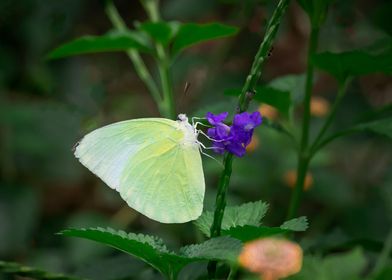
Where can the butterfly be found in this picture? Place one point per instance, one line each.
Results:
(154, 163)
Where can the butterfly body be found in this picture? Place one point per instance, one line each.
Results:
(154, 164)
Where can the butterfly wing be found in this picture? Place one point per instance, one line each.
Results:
(147, 163)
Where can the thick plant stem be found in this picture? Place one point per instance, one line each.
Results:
(220, 205)
(243, 104)
(303, 154)
(262, 54)
(134, 56)
(163, 62)
(220, 202)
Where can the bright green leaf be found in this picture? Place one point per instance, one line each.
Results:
(246, 214)
(354, 63)
(31, 272)
(152, 250)
(110, 42)
(147, 248)
(191, 33)
(221, 248)
(297, 224)
(162, 32)
(248, 233)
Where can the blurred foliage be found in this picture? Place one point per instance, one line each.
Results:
(46, 106)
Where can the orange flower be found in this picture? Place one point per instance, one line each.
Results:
(272, 258)
(290, 178)
(268, 111)
(254, 143)
(319, 106)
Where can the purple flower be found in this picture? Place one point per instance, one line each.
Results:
(235, 138)
(214, 119)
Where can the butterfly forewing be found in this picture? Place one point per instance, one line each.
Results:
(147, 162)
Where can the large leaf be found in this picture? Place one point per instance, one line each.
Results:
(354, 63)
(246, 214)
(280, 99)
(248, 233)
(110, 42)
(162, 32)
(152, 250)
(31, 272)
(192, 33)
(297, 224)
(220, 248)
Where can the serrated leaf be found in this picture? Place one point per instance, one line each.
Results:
(190, 34)
(246, 214)
(151, 249)
(297, 224)
(220, 249)
(162, 32)
(32, 272)
(383, 126)
(110, 42)
(147, 248)
(248, 233)
(354, 63)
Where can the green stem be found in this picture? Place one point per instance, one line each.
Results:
(243, 104)
(163, 62)
(262, 54)
(338, 100)
(134, 56)
(303, 155)
(220, 205)
(331, 138)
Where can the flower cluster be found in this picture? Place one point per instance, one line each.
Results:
(236, 137)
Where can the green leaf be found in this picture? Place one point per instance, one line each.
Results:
(147, 248)
(248, 233)
(246, 214)
(221, 248)
(297, 224)
(31, 272)
(295, 84)
(334, 267)
(383, 126)
(162, 32)
(354, 63)
(153, 251)
(110, 42)
(280, 99)
(191, 33)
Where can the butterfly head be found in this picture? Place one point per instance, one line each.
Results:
(183, 117)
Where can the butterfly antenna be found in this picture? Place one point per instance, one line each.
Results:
(184, 94)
